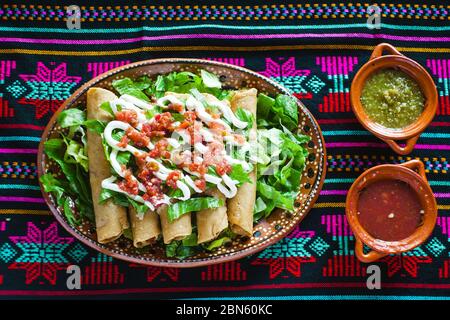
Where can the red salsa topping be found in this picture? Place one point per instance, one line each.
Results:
(172, 179)
(160, 126)
(201, 184)
(160, 150)
(139, 139)
(128, 116)
(123, 142)
(129, 184)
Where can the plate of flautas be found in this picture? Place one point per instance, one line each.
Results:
(181, 162)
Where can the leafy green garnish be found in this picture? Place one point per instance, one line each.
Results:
(117, 197)
(75, 153)
(283, 109)
(139, 207)
(239, 174)
(74, 184)
(190, 240)
(107, 107)
(265, 105)
(210, 80)
(216, 243)
(183, 82)
(246, 116)
(176, 249)
(71, 117)
(177, 209)
(95, 125)
(279, 169)
(128, 86)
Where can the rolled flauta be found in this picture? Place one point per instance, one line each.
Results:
(146, 230)
(211, 222)
(177, 229)
(110, 219)
(240, 208)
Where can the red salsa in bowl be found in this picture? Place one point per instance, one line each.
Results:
(389, 210)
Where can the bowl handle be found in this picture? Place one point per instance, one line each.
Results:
(379, 49)
(415, 164)
(409, 146)
(366, 257)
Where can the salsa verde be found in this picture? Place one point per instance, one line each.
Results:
(391, 98)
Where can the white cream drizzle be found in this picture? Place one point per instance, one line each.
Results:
(224, 183)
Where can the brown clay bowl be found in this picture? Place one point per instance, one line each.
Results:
(266, 232)
(395, 60)
(411, 172)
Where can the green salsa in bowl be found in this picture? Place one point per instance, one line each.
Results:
(392, 98)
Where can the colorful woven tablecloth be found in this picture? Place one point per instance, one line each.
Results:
(312, 48)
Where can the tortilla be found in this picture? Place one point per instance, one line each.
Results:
(145, 230)
(175, 230)
(211, 222)
(240, 208)
(110, 219)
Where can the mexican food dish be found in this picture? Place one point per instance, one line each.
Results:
(177, 160)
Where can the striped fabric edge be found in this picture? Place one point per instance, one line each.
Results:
(212, 48)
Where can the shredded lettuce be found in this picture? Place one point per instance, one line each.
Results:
(210, 80)
(117, 197)
(239, 174)
(73, 186)
(139, 207)
(184, 82)
(245, 115)
(177, 249)
(95, 125)
(71, 117)
(216, 243)
(279, 177)
(177, 209)
(128, 86)
(283, 109)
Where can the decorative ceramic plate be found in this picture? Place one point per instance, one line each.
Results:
(265, 233)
